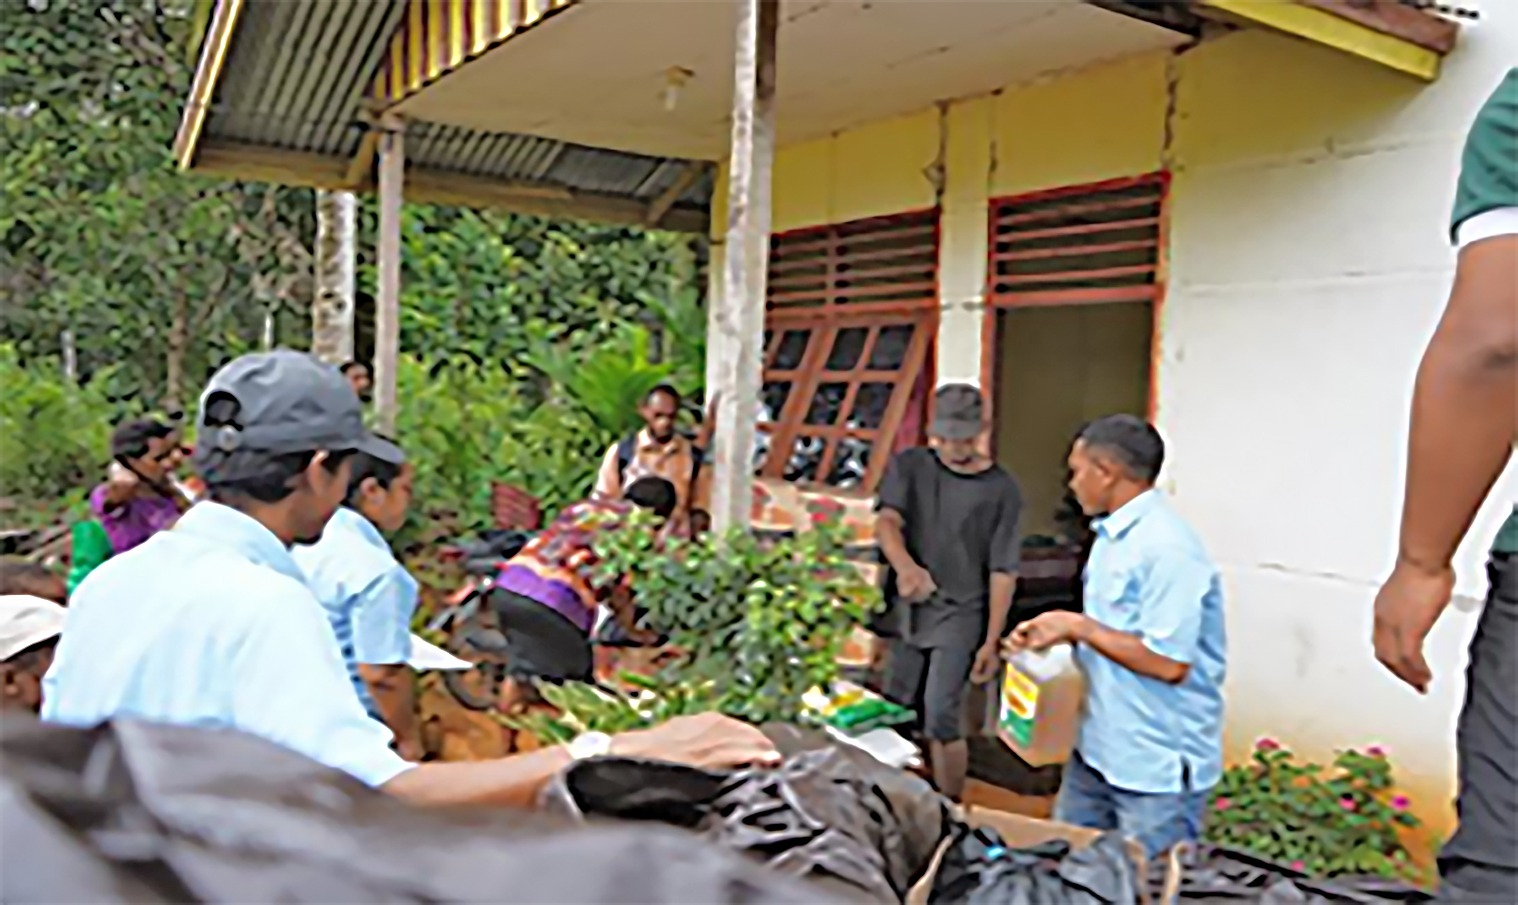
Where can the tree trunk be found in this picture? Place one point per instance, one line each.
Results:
(336, 253)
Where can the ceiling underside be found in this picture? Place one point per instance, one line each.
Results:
(582, 78)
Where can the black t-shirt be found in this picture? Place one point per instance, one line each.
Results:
(961, 528)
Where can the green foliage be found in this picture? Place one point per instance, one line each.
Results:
(646, 701)
(1339, 820)
(606, 382)
(54, 434)
(759, 622)
(457, 421)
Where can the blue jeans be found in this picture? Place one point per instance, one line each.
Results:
(1158, 820)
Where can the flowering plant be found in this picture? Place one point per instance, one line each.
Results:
(1342, 819)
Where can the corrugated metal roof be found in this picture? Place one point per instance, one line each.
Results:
(296, 78)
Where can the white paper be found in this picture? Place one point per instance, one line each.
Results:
(885, 745)
(428, 656)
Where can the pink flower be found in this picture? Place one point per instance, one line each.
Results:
(1298, 866)
(1267, 744)
(1347, 803)
(1222, 804)
(1400, 803)
(1376, 751)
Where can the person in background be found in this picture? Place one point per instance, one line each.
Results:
(947, 525)
(29, 629)
(1464, 425)
(547, 597)
(369, 596)
(1151, 644)
(18, 577)
(139, 498)
(211, 624)
(658, 450)
(359, 378)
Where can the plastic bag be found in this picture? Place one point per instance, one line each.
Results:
(979, 869)
(1213, 874)
(144, 813)
(828, 813)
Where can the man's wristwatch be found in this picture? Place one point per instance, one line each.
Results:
(590, 744)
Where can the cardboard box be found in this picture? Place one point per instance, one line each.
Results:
(1020, 832)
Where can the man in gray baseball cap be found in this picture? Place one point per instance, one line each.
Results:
(212, 623)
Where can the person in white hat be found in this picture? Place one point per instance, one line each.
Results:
(29, 630)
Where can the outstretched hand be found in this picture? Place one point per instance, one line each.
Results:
(707, 740)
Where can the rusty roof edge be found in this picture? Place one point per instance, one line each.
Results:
(1418, 22)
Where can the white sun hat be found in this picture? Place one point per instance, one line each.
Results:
(26, 620)
(425, 656)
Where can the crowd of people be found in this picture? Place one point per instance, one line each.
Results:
(266, 597)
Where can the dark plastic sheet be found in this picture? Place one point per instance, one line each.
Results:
(132, 812)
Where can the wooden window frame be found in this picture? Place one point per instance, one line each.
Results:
(827, 311)
(1153, 293)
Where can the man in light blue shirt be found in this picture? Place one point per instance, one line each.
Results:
(1151, 643)
(369, 596)
(211, 624)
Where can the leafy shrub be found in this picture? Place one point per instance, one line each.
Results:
(759, 622)
(54, 433)
(647, 701)
(1325, 821)
(458, 421)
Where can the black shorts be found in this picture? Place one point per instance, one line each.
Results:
(1480, 861)
(931, 681)
(540, 642)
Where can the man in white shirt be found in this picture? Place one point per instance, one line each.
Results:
(211, 623)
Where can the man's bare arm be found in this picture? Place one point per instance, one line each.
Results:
(893, 542)
(1003, 587)
(1465, 406)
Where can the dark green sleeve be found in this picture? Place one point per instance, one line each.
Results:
(1489, 165)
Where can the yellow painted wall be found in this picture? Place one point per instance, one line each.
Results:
(1100, 123)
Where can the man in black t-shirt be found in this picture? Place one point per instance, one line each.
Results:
(947, 525)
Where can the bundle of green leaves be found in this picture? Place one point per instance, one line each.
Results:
(754, 623)
(1342, 819)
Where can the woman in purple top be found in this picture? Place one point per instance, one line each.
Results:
(139, 498)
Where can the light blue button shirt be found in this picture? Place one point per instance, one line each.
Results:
(211, 624)
(1148, 575)
(369, 596)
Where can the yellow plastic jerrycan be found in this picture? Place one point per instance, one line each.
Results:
(1041, 697)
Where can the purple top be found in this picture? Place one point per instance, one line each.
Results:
(134, 521)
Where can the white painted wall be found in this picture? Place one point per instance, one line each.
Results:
(1308, 265)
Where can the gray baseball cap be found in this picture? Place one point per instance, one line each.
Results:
(284, 402)
(959, 412)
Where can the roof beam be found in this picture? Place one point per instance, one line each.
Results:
(1331, 23)
(430, 186)
(660, 206)
(1397, 19)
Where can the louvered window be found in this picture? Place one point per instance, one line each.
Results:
(850, 319)
(1077, 245)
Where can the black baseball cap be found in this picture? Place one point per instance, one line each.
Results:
(959, 412)
(284, 402)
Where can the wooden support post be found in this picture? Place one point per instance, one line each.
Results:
(737, 322)
(387, 325)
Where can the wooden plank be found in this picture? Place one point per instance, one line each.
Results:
(1055, 276)
(213, 57)
(660, 206)
(740, 321)
(1330, 30)
(1071, 210)
(1082, 229)
(1057, 297)
(387, 314)
(1066, 251)
(1397, 19)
